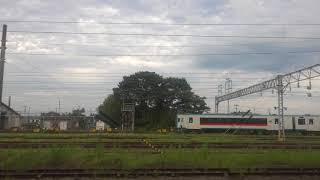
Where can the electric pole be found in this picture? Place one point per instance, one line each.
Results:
(2, 57)
(59, 106)
(280, 90)
(220, 93)
(228, 89)
(29, 114)
(25, 110)
(236, 106)
(9, 101)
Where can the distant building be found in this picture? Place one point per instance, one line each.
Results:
(63, 125)
(73, 124)
(101, 126)
(47, 125)
(9, 118)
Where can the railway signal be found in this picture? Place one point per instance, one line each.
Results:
(280, 83)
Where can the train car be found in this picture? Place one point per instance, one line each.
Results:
(222, 122)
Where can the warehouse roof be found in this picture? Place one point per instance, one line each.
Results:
(7, 108)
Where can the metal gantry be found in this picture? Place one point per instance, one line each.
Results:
(228, 89)
(280, 83)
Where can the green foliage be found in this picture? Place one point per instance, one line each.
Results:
(111, 106)
(157, 99)
(78, 112)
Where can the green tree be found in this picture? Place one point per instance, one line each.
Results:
(111, 106)
(157, 99)
(79, 114)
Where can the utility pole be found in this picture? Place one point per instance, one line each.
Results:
(220, 93)
(25, 110)
(29, 114)
(228, 89)
(59, 106)
(236, 106)
(2, 57)
(9, 101)
(280, 89)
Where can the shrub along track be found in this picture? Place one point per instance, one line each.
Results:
(143, 144)
(165, 172)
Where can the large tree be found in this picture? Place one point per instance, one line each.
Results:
(157, 99)
(111, 106)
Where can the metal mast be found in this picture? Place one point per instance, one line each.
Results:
(280, 83)
(219, 94)
(2, 57)
(280, 91)
(228, 89)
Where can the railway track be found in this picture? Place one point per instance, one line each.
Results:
(158, 145)
(166, 172)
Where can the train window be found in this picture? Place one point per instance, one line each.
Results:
(311, 121)
(301, 121)
(181, 119)
(178, 119)
(191, 120)
(276, 121)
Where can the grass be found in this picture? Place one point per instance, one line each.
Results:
(71, 157)
(169, 137)
(178, 158)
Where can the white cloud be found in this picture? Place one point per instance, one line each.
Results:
(100, 11)
(136, 62)
(52, 71)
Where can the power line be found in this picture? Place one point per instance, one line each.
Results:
(168, 55)
(164, 35)
(121, 74)
(106, 82)
(137, 46)
(119, 78)
(149, 45)
(160, 23)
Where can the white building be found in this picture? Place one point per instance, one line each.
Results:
(101, 126)
(9, 118)
(63, 125)
(47, 125)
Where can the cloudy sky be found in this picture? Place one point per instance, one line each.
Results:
(205, 41)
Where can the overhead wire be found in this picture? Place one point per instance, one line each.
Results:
(157, 23)
(172, 55)
(161, 35)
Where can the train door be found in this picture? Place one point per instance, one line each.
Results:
(293, 123)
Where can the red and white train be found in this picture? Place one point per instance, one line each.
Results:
(211, 122)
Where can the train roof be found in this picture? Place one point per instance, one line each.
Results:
(224, 114)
